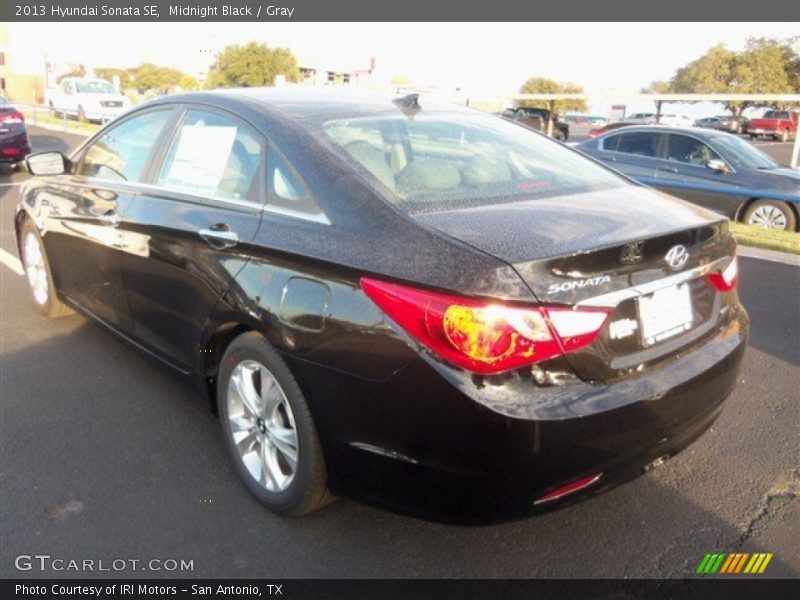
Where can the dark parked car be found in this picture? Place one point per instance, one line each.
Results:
(536, 119)
(14, 144)
(598, 131)
(733, 124)
(420, 306)
(707, 122)
(720, 172)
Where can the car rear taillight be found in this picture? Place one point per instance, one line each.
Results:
(11, 118)
(482, 336)
(726, 280)
(593, 133)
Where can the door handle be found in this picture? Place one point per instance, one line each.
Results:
(669, 169)
(219, 236)
(110, 218)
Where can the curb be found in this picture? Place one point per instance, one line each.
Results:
(770, 255)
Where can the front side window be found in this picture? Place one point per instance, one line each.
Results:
(685, 149)
(121, 154)
(445, 158)
(640, 143)
(214, 155)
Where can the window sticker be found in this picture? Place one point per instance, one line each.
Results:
(201, 157)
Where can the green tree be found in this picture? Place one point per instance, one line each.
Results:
(765, 66)
(108, 73)
(656, 87)
(74, 71)
(150, 78)
(543, 85)
(252, 65)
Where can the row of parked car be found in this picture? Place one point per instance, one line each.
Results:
(777, 124)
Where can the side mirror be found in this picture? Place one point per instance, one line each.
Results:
(47, 163)
(716, 164)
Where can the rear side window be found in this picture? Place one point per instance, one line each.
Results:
(610, 142)
(444, 159)
(121, 153)
(640, 143)
(286, 189)
(214, 155)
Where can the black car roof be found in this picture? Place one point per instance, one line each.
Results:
(705, 134)
(308, 105)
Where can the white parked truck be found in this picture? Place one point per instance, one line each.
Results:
(86, 98)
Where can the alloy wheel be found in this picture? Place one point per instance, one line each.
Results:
(769, 217)
(262, 425)
(35, 268)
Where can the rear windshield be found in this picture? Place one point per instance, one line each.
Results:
(443, 160)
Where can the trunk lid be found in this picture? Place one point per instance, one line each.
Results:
(592, 250)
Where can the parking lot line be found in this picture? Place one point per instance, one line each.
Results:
(11, 261)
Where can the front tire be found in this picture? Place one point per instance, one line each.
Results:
(771, 214)
(268, 429)
(39, 275)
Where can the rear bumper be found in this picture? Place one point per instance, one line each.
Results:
(14, 148)
(432, 444)
(759, 131)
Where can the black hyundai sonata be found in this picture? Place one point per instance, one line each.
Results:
(416, 305)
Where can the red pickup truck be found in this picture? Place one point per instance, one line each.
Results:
(779, 124)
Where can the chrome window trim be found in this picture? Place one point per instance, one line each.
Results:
(613, 299)
(139, 189)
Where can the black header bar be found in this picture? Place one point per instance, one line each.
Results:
(401, 10)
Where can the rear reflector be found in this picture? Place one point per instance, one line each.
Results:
(727, 279)
(482, 336)
(570, 488)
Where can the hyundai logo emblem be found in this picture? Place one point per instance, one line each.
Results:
(676, 257)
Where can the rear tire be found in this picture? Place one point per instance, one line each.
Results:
(771, 214)
(268, 429)
(39, 275)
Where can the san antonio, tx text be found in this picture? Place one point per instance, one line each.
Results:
(140, 589)
(253, 11)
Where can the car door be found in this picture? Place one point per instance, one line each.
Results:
(634, 153)
(683, 172)
(82, 211)
(189, 231)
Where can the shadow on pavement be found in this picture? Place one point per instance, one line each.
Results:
(106, 456)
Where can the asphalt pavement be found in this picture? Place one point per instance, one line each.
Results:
(104, 456)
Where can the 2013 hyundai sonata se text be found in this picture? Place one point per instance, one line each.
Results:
(416, 305)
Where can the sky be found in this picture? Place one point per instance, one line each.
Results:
(480, 58)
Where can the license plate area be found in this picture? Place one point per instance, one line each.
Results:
(665, 313)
